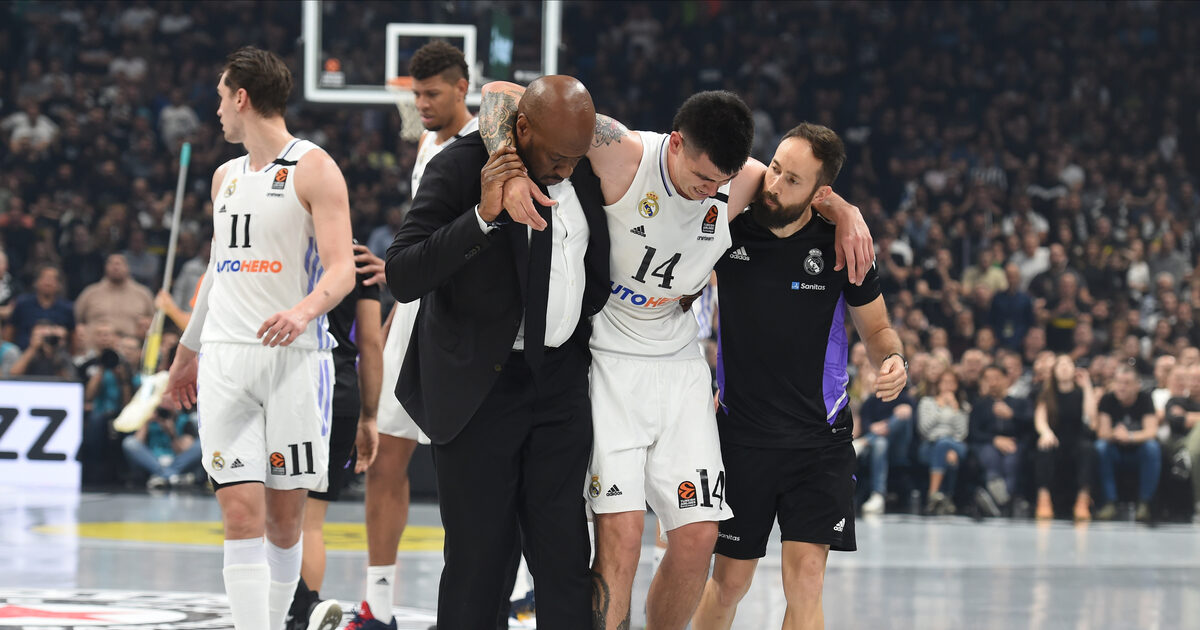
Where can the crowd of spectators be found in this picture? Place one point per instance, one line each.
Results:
(1029, 171)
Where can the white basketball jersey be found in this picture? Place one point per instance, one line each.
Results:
(430, 148)
(264, 252)
(663, 247)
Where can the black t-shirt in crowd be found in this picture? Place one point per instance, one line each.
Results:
(1130, 416)
(346, 398)
(781, 364)
(1067, 421)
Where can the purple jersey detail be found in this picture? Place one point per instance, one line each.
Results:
(834, 380)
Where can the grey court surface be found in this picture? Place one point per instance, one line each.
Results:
(155, 562)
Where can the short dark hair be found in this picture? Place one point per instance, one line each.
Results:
(263, 75)
(718, 124)
(44, 267)
(827, 147)
(438, 57)
(996, 367)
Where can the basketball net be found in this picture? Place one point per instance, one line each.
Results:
(410, 118)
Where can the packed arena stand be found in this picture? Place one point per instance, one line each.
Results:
(1027, 200)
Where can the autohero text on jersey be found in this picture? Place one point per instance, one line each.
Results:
(625, 294)
(249, 266)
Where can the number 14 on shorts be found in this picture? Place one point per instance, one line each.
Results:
(687, 491)
(279, 462)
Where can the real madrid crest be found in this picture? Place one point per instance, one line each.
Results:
(648, 206)
(229, 190)
(594, 488)
(218, 462)
(814, 264)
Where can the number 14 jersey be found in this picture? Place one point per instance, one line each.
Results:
(663, 247)
(264, 252)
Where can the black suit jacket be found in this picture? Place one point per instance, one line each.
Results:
(473, 286)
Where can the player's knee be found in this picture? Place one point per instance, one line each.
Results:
(732, 582)
(283, 531)
(805, 580)
(695, 539)
(241, 520)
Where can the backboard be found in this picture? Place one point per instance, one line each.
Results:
(352, 49)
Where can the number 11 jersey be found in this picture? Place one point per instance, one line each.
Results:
(264, 252)
(663, 247)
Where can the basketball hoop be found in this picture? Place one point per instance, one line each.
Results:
(410, 119)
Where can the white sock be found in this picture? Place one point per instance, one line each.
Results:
(380, 581)
(247, 582)
(285, 575)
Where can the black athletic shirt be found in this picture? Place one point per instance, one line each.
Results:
(346, 398)
(781, 362)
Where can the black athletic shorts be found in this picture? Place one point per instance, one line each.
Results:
(341, 457)
(811, 491)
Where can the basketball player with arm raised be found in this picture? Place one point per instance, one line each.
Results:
(668, 201)
(440, 83)
(281, 259)
(784, 420)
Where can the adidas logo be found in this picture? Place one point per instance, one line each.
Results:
(639, 230)
(840, 526)
(740, 254)
(613, 491)
(382, 581)
(221, 210)
(237, 463)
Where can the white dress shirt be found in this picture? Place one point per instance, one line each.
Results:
(569, 240)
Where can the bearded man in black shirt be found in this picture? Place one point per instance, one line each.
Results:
(784, 421)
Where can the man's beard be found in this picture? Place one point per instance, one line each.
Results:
(771, 215)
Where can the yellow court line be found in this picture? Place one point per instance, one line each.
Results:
(338, 536)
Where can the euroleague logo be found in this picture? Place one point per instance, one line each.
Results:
(709, 226)
(687, 495)
(278, 464)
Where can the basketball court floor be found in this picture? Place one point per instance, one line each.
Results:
(139, 561)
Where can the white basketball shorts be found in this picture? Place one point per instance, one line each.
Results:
(393, 419)
(264, 414)
(655, 440)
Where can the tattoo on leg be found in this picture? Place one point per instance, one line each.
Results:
(607, 131)
(601, 598)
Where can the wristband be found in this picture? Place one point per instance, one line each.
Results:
(896, 354)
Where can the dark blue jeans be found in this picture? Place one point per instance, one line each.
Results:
(1146, 457)
(934, 455)
(888, 450)
(997, 465)
(142, 457)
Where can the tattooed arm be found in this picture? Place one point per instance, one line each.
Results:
(614, 155)
(498, 114)
(498, 119)
(497, 128)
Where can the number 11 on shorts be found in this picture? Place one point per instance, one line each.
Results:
(308, 452)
